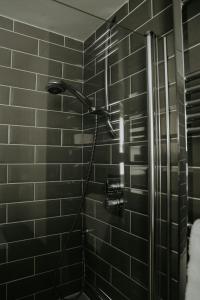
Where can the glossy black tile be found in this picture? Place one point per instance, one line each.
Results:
(17, 116)
(192, 60)
(33, 210)
(122, 49)
(72, 72)
(45, 154)
(16, 154)
(6, 23)
(4, 94)
(124, 241)
(70, 273)
(89, 70)
(75, 241)
(101, 156)
(193, 179)
(97, 228)
(137, 200)
(139, 272)
(3, 214)
(3, 174)
(30, 285)
(136, 41)
(160, 24)
(3, 253)
(14, 232)
(128, 66)
(140, 225)
(119, 91)
(36, 64)
(113, 217)
(38, 33)
(62, 189)
(59, 53)
(93, 85)
(33, 247)
(58, 120)
(97, 264)
(139, 14)
(138, 83)
(5, 57)
(33, 173)
(56, 225)
(72, 172)
(16, 192)
(50, 261)
(75, 44)
(16, 270)
(133, 4)
(18, 42)
(70, 104)
(34, 136)
(70, 206)
(128, 287)
(26, 98)
(113, 256)
(160, 5)
(191, 10)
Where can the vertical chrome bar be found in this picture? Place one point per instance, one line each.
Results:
(151, 153)
(158, 188)
(181, 146)
(168, 166)
(106, 71)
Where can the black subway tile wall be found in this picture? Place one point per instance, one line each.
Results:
(40, 163)
(192, 56)
(119, 241)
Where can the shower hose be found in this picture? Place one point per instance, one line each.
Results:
(56, 291)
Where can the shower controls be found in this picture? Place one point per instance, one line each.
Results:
(114, 191)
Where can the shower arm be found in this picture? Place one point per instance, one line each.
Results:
(84, 100)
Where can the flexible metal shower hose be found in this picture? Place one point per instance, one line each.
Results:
(57, 293)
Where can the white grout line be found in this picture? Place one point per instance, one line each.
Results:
(35, 38)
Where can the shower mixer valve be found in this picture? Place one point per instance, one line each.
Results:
(114, 191)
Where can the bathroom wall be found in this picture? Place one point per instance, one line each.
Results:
(40, 162)
(192, 64)
(117, 245)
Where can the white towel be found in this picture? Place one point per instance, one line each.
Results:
(193, 284)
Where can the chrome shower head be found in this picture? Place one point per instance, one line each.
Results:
(56, 86)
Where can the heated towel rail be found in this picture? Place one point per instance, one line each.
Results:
(192, 92)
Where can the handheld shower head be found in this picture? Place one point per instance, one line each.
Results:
(56, 86)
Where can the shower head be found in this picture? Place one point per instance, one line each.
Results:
(56, 86)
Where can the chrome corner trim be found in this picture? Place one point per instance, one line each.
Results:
(151, 153)
(168, 149)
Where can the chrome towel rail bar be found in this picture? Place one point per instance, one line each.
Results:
(193, 129)
(192, 76)
(193, 103)
(192, 89)
(193, 116)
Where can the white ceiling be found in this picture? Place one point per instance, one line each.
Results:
(53, 16)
